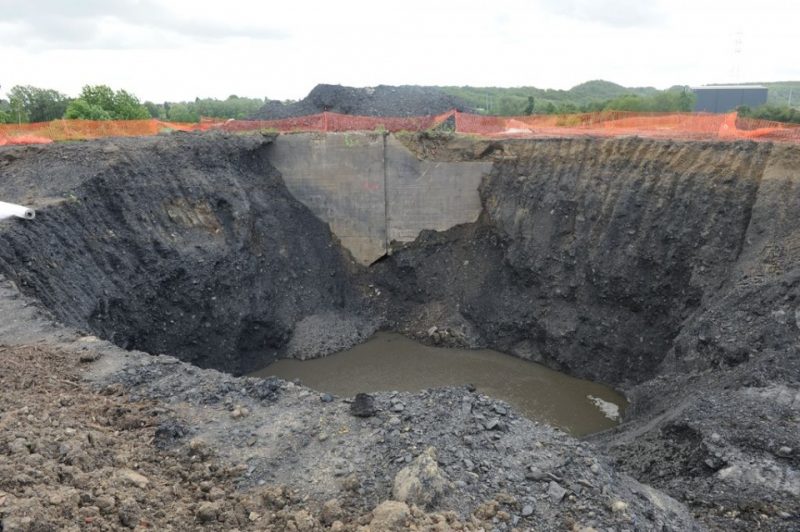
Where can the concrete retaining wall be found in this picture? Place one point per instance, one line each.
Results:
(340, 177)
(372, 190)
(428, 194)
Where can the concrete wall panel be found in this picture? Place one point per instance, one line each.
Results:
(429, 194)
(340, 177)
(372, 190)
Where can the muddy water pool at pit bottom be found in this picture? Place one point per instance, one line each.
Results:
(392, 362)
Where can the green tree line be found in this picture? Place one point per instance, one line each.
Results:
(783, 99)
(512, 101)
(100, 102)
(673, 100)
(776, 113)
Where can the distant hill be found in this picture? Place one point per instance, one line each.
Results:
(501, 100)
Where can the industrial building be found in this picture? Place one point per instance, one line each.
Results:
(725, 98)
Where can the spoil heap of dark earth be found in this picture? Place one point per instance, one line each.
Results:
(666, 269)
(383, 100)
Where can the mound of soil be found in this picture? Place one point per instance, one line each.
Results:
(383, 100)
(75, 458)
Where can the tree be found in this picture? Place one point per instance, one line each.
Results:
(628, 102)
(550, 108)
(566, 109)
(662, 102)
(155, 110)
(5, 112)
(232, 107)
(101, 102)
(182, 112)
(82, 109)
(32, 104)
(128, 107)
(529, 106)
(100, 95)
(509, 106)
(686, 101)
(776, 113)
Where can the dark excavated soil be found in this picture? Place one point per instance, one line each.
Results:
(185, 245)
(590, 255)
(668, 269)
(383, 100)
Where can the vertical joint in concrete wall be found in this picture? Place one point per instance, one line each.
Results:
(341, 186)
(385, 199)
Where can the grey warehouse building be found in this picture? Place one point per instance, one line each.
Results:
(725, 98)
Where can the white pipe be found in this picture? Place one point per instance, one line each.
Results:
(7, 210)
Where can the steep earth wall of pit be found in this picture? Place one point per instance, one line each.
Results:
(590, 254)
(183, 245)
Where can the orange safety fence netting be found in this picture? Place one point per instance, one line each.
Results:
(85, 129)
(688, 126)
(340, 122)
(331, 122)
(284, 125)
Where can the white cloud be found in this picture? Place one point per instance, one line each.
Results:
(617, 13)
(116, 24)
(179, 49)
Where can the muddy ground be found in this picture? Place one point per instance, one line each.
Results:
(666, 269)
(75, 457)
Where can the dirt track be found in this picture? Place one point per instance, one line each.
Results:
(666, 268)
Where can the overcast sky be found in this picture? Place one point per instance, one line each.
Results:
(178, 49)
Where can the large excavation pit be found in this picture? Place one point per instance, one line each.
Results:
(666, 270)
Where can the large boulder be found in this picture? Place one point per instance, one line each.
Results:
(421, 482)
